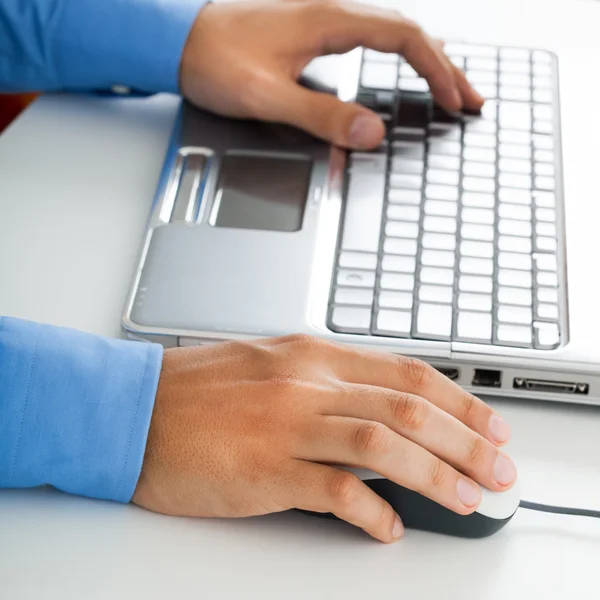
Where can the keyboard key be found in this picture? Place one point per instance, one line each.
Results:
(514, 151)
(364, 205)
(394, 322)
(487, 90)
(542, 142)
(547, 295)
(439, 224)
(542, 96)
(515, 181)
(545, 244)
(446, 131)
(546, 278)
(399, 264)
(472, 283)
(513, 260)
(437, 275)
(546, 169)
(547, 311)
(514, 334)
(514, 296)
(397, 281)
(480, 302)
(508, 136)
(518, 315)
(485, 155)
(474, 326)
(407, 71)
(483, 216)
(406, 150)
(436, 293)
(544, 183)
(476, 266)
(480, 140)
(476, 249)
(545, 229)
(441, 192)
(434, 320)
(543, 113)
(513, 227)
(415, 135)
(374, 55)
(522, 94)
(368, 162)
(514, 80)
(480, 126)
(358, 260)
(482, 233)
(379, 75)
(541, 57)
(481, 64)
(400, 246)
(351, 319)
(478, 200)
(546, 262)
(441, 208)
(354, 296)
(459, 61)
(355, 278)
(403, 212)
(399, 196)
(401, 228)
(509, 243)
(412, 182)
(437, 146)
(440, 161)
(478, 184)
(442, 176)
(514, 278)
(514, 196)
(408, 166)
(514, 211)
(514, 66)
(514, 115)
(546, 334)
(398, 300)
(489, 111)
(479, 169)
(409, 84)
(514, 54)
(512, 165)
(471, 50)
(541, 80)
(545, 127)
(437, 258)
(475, 77)
(439, 241)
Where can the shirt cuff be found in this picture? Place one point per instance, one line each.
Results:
(132, 43)
(75, 409)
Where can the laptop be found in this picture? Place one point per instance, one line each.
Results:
(448, 242)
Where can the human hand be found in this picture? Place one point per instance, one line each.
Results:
(249, 428)
(243, 59)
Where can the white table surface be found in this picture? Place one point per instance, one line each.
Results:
(77, 177)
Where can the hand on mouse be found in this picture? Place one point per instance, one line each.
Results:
(248, 428)
(243, 59)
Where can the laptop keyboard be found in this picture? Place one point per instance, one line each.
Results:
(450, 227)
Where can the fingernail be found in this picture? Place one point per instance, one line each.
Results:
(505, 471)
(397, 529)
(469, 493)
(499, 429)
(366, 131)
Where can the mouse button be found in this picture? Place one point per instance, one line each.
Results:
(500, 505)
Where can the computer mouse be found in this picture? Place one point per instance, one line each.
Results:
(418, 512)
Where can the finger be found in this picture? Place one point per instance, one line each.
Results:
(472, 100)
(327, 489)
(372, 445)
(414, 376)
(342, 27)
(324, 116)
(429, 426)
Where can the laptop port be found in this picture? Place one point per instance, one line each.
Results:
(487, 378)
(449, 372)
(550, 387)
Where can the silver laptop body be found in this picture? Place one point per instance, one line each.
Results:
(449, 242)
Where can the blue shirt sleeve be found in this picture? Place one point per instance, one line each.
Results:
(93, 44)
(75, 409)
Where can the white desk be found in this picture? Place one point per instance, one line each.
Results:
(77, 178)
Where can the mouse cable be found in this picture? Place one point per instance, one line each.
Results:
(560, 510)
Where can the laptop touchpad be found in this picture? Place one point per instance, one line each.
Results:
(262, 191)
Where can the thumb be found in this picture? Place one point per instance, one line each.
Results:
(323, 115)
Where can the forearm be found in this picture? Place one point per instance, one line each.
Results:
(93, 44)
(74, 409)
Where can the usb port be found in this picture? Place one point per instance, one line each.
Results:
(487, 378)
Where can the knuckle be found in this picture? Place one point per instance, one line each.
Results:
(415, 372)
(372, 439)
(306, 344)
(437, 474)
(468, 408)
(475, 450)
(412, 27)
(343, 488)
(409, 411)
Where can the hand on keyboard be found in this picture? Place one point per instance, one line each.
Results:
(244, 59)
(243, 429)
